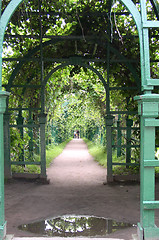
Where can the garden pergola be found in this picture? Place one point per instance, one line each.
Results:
(148, 105)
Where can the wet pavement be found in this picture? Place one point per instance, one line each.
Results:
(10, 237)
(76, 188)
(75, 226)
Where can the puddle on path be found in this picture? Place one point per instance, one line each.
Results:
(71, 226)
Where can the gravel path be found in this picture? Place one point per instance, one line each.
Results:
(76, 188)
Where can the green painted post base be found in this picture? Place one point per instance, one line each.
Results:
(3, 231)
(148, 233)
(42, 121)
(109, 122)
(110, 179)
(140, 232)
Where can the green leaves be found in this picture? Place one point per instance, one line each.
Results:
(56, 31)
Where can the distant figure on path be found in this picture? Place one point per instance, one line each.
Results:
(77, 133)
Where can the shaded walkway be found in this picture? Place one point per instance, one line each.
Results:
(76, 187)
(75, 167)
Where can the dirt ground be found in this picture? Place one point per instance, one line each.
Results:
(76, 188)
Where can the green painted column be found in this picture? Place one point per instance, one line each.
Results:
(7, 161)
(109, 122)
(20, 121)
(129, 123)
(3, 96)
(37, 148)
(148, 111)
(30, 134)
(119, 135)
(42, 121)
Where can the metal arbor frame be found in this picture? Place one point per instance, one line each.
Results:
(75, 60)
(42, 120)
(148, 110)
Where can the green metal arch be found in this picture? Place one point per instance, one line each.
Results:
(7, 14)
(71, 63)
(4, 19)
(135, 14)
(20, 64)
(12, 6)
(80, 64)
(37, 48)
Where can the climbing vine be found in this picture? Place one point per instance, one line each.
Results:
(43, 34)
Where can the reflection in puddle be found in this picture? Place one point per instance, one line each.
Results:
(71, 226)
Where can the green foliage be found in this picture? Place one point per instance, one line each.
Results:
(51, 153)
(98, 152)
(122, 170)
(54, 151)
(100, 155)
(75, 97)
(19, 144)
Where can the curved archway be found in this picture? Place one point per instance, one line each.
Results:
(147, 228)
(13, 5)
(80, 64)
(37, 48)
